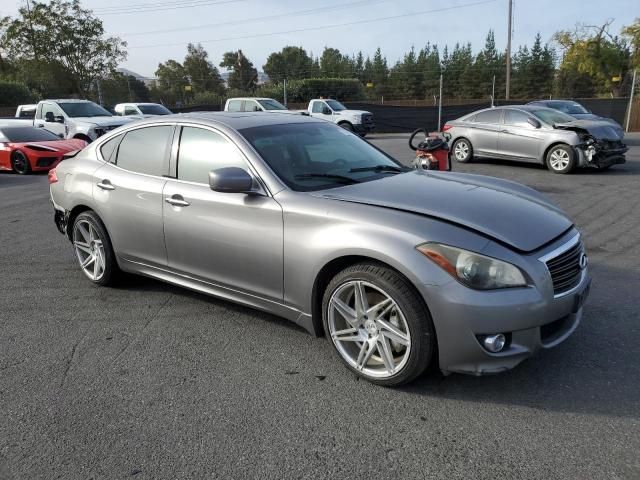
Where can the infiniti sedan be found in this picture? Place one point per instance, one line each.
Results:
(301, 218)
(534, 134)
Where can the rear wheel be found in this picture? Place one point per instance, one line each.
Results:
(462, 150)
(93, 248)
(20, 163)
(378, 324)
(561, 159)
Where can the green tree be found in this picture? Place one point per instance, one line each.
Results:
(62, 32)
(243, 75)
(117, 88)
(201, 73)
(631, 33)
(334, 64)
(292, 63)
(171, 80)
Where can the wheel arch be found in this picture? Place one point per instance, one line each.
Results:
(73, 214)
(552, 145)
(82, 136)
(345, 122)
(330, 269)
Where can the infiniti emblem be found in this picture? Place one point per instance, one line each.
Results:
(584, 261)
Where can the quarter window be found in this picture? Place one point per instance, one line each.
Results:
(488, 116)
(202, 151)
(144, 150)
(108, 147)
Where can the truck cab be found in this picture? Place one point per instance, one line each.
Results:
(357, 121)
(254, 104)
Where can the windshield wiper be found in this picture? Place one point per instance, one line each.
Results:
(340, 178)
(379, 168)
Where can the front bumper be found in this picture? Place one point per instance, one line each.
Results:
(531, 318)
(601, 154)
(364, 128)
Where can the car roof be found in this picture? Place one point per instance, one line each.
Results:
(249, 98)
(67, 100)
(236, 120)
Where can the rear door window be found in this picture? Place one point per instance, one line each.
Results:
(145, 150)
(488, 116)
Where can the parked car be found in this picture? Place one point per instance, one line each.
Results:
(26, 111)
(141, 110)
(533, 134)
(295, 216)
(573, 109)
(255, 104)
(70, 118)
(26, 149)
(358, 121)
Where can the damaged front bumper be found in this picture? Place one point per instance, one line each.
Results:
(601, 153)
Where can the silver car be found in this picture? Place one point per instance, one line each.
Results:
(536, 134)
(399, 268)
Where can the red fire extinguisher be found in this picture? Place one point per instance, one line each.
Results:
(432, 153)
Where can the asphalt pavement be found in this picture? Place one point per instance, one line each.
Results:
(150, 381)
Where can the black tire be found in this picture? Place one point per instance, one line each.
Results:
(412, 306)
(111, 269)
(459, 145)
(346, 125)
(556, 157)
(20, 163)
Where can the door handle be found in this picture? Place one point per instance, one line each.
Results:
(106, 185)
(177, 201)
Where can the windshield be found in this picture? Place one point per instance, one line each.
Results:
(154, 110)
(28, 134)
(335, 105)
(551, 117)
(317, 156)
(271, 104)
(83, 109)
(572, 108)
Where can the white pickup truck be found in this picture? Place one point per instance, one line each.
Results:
(141, 110)
(357, 121)
(74, 119)
(255, 104)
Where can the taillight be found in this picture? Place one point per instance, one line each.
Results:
(52, 176)
(447, 127)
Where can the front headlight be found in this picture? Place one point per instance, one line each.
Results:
(472, 269)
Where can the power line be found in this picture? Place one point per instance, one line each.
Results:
(257, 19)
(321, 27)
(157, 7)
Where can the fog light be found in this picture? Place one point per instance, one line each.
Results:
(494, 343)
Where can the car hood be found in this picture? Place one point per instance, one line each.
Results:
(505, 211)
(599, 129)
(353, 112)
(103, 121)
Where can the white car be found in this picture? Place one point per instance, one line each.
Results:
(255, 104)
(141, 110)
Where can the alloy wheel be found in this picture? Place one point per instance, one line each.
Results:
(559, 159)
(368, 329)
(461, 150)
(89, 249)
(20, 163)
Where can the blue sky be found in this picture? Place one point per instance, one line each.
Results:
(219, 23)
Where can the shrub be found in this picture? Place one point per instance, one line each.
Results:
(14, 93)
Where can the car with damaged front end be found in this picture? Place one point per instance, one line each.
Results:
(534, 134)
(399, 268)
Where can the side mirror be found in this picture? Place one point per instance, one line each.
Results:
(59, 119)
(534, 123)
(231, 180)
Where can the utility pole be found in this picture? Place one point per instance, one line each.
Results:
(508, 83)
(285, 91)
(129, 88)
(440, 106)
(99, 92)
(493, 92)
(633, 91)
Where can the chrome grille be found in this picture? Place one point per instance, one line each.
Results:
(565, 268)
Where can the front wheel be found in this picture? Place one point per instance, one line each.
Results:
(347, 126)
(561, 159)
(93, 248)
(378, 324)
(462, 150)
(20, 163)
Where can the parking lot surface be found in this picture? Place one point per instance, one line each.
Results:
(147, 380)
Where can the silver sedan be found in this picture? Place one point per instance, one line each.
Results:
(536, 134)
(399, 268)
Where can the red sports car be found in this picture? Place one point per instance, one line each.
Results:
(25, 149)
